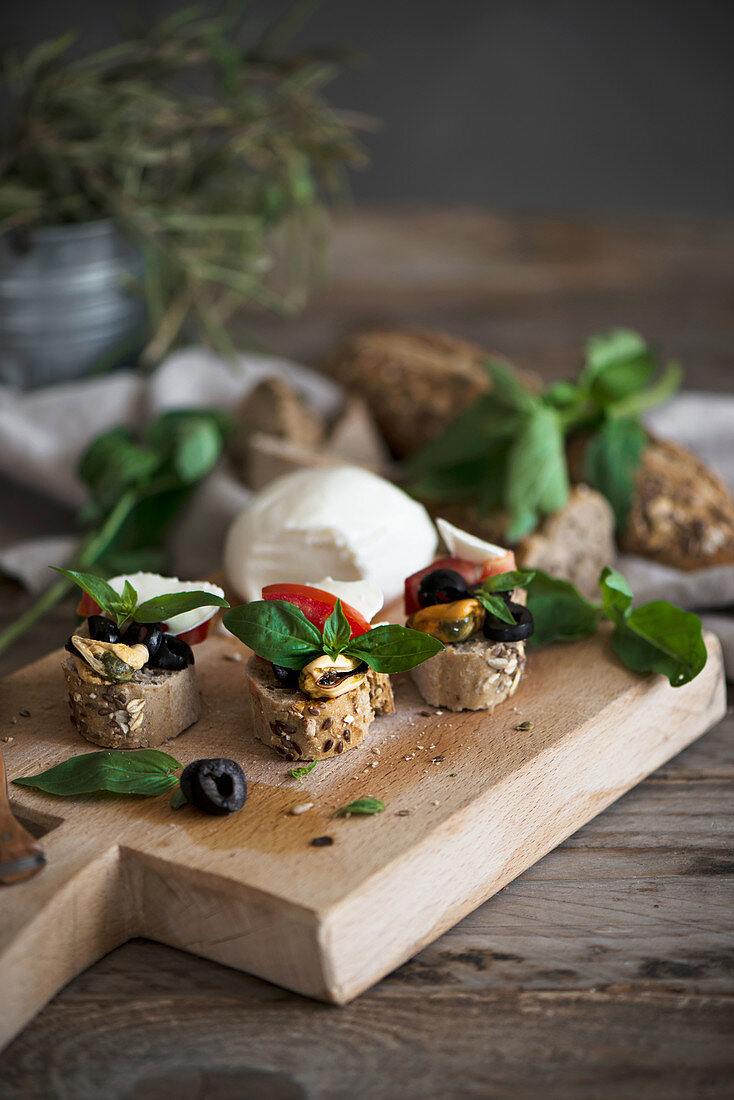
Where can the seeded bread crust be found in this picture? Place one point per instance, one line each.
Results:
(300, 728)
(473, 675)
(153, 707)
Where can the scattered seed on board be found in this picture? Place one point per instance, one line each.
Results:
(25, 713)
(402, 813)
(322, 841)
(300, 808)
(524, 726)
(8, 740)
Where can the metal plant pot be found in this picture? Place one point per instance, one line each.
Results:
(63, 310)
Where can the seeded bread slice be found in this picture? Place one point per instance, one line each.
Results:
(301, 728)
(473, 675)
(147, 710)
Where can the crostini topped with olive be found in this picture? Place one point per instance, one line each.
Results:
(130, 671)
(321, 672)
(474, 602)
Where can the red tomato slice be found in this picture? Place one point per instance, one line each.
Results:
(468, 570)
(316, 605)
(196, 634)
(494, 566)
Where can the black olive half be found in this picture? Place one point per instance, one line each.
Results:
(286, 677)
(173, 654)
(215, 786)
(102, 629)
(497, 631)
(147, 634)
(442, 586)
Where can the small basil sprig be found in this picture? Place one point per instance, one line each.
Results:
(124, 607)
(502, 582)
(656, 637)
(301, 773)
(279, 632)
(362, 806)
(506, 452)
(123, 771)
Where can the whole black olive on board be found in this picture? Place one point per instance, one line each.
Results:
(102, 629)
(286, 677)
(216, 786)
(442, 586)
(149, 634)
(497, 631)
(173, 654)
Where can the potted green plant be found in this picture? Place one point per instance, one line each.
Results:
(192, 164)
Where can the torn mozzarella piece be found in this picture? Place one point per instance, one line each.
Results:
(150, 585)
(363, 596)
(460, 544)
(341, 522)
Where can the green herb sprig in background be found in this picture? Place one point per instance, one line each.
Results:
(215, 159)
(137, 486)
(507, 452)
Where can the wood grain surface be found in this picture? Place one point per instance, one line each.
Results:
(605, 970)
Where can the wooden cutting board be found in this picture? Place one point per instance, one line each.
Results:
(472, 801)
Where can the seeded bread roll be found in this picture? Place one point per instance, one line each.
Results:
(473, 675)
(415, 381)
(147, 710)
(275, 409)
(682, 513)
(301, 728)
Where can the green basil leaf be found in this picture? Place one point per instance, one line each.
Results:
(197, 450)
(639, 402)
(618, 363)
(178, 799)
(611, 461)
(659, 637)
(101, 592)
(508, 390)
(124, 771)
(393, 648)
(277, 631)
(299, 773)
(361, 806)
(462, 481)
(476, 432)
(537, 478)
(616, 595)
(496, 606)
(559, 611)
(160, 608)
(506, 582)
(337, 631)
(114, 462)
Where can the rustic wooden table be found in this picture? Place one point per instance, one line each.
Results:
(607, 970)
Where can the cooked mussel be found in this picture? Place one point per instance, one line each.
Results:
(449, 622)
(329, 677)
(111, 660)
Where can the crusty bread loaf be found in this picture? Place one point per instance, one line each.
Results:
(682, 513)
(275, 409)
(301, 728)
(473, 675)
(575, 543)
(147, 710)
(415, 381)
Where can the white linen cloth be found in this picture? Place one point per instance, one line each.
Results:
(44, 432)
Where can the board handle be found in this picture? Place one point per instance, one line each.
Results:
(57, 924)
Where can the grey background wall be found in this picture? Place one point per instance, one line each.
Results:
(541, 104)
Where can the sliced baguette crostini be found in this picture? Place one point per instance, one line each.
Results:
(131, 679)
(321, 673)
(472, 602)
